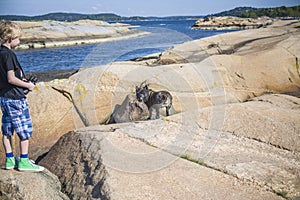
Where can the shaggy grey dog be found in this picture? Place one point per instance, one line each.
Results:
(154, 100)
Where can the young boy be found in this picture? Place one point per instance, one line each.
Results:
(14, 105)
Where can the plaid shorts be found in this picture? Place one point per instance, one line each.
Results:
(16, 117)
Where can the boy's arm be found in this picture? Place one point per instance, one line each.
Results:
(12, 79)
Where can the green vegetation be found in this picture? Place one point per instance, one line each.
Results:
(76, 17)
(249, 12)
(187, 157)
(64, 17)
(235, 12)
(282, 194)
(273, 12)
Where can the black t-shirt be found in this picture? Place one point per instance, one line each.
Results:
(9, 61)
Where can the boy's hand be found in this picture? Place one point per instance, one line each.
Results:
(30, 86)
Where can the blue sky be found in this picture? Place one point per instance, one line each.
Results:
(133, 7)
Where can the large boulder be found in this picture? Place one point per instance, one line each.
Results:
(104, 162)
(129, 111)
(30, 186)
(52, 115)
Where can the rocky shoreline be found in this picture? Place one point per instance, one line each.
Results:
(50, 75)
(234, 132)
(49, 34)
(231, 23)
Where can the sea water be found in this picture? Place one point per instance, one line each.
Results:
(164, 34)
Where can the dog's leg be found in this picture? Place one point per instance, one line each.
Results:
(167, 111)
(157, 112)
(150, 112)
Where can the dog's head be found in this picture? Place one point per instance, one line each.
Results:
(142, 93)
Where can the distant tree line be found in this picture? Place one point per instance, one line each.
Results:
(64, 17)
(76, 17)
(234, 12)
(249, 12)
(273, 12)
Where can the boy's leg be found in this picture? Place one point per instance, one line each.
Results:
(7, 143)
(23, 126)
(10, 162)
(16, 117)
(24, 146)
(7, 132)
(6, 127)
(25, 164)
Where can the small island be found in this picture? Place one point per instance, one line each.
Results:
(48, 33)
(231, 23)
(241, 18)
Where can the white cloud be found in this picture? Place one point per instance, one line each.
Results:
(95, 8)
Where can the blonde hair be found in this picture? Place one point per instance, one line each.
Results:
(9, 30)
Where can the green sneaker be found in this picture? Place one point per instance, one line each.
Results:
(28, 165)
(10, 163)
